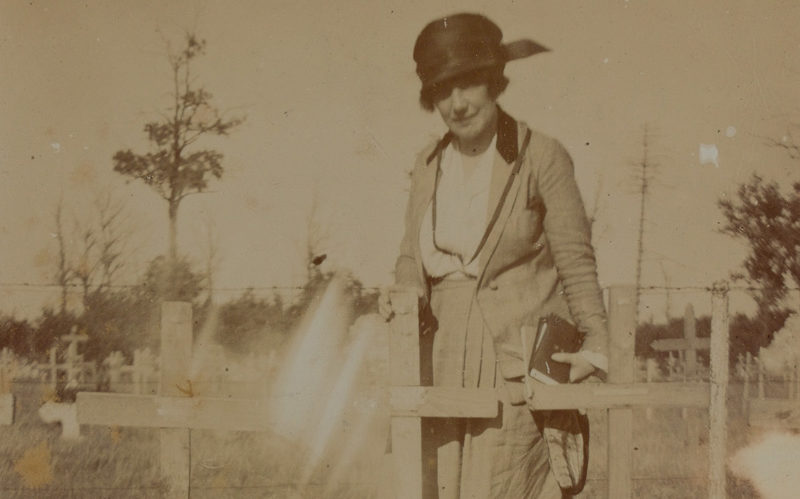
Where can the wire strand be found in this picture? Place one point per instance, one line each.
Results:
(33, 285)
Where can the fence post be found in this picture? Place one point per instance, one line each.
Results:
(651, 365)
(53, 368)
(748, 362)
(690, 334)
(176, 358)
(797, 379)
(7, 370)
(622, 331)
(719, 388)
(404, 370)
(690, 372)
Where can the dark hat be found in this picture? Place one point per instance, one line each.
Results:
(461, 43)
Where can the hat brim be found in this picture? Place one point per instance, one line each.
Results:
(518, 49)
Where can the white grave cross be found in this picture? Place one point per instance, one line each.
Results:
(73, 360)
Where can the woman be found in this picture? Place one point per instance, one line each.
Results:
(496, 237)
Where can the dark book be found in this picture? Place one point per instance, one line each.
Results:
(553, 335)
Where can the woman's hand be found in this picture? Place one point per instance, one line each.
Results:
(385, 305)
(580, 367)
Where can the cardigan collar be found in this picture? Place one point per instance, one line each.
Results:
(507, 140)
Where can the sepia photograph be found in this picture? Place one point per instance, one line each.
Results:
(397, 250)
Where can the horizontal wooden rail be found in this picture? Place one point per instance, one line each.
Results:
(440, 401)
(110, 409)
(607, 396)
(675, 344)
(434, 401)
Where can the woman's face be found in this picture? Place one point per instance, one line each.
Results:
(468, 110)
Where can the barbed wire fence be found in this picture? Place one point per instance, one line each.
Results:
(284, 287)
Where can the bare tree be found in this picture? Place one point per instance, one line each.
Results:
(64, 272)
(101, 245)
(645, 175)
(668, 286)
(173, 169)
(113, 235)
(86, 266)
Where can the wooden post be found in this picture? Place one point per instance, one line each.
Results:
(622, 331)
(176, 357)
(53, 368)
(404, 370)
(719, 389)
(797, 378)
(73, 360)
(690, 333)
(682, 357)
(136, 373)
(760, 367)
(651, 367)
(6, 409)
(7, 368)
(690, 371)
(114, 362)
(748, 362)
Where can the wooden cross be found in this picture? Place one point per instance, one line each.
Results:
(689, 344)
(74, 340)
(410, 402)
(52, 367)
(114, 363)
(74, 362)
(175, 409)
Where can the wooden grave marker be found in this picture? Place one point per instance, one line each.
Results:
(690, 344)
(52, 367)
(687, 347)
(73, 361)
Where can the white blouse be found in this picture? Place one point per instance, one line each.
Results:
(462, 206)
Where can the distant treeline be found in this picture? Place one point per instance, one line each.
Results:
(125, 319)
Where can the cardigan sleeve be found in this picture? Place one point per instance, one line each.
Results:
(569, 236)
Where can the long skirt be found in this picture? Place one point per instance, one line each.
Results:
(499, 457)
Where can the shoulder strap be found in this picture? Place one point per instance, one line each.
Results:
(501, 202)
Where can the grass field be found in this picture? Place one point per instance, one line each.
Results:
(124, 462)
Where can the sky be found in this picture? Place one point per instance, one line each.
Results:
(332, 121)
